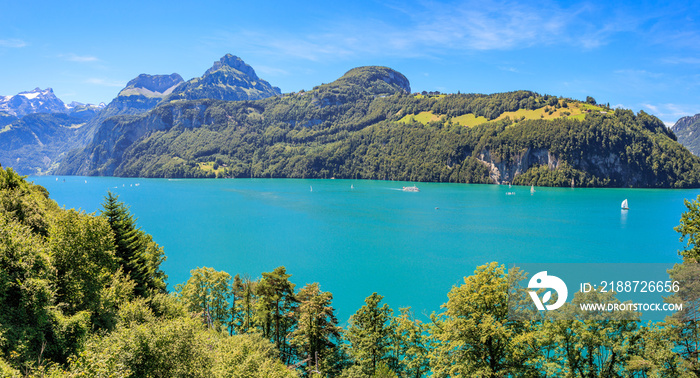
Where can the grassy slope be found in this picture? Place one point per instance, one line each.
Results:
(574, 110)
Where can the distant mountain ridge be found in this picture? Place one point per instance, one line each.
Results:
(46, 129)
(42, 101)
(152, 85)
(687, 129)
(367, 124)
(229, 79)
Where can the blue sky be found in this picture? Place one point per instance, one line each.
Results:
(638, 55)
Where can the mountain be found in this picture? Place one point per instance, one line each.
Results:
(36, 101)
(45, 101)
(35, 143)
(367, 125)
(229, 79)
(143, 93)
(37, 128)
(687, 129)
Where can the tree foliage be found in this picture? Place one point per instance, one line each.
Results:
(68, 307)
(369, 334)
(138, 255)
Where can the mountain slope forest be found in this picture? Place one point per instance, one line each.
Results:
(83, 295)
(367, 125)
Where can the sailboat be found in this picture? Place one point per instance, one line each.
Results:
(572, 183)
(532, 189)
(624, 205)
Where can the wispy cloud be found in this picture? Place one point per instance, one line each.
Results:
(104, 82)
(486, 25)
(670, 113)
(271, 71)
(508, 69)
(79, 58)
(681, 60)
(637, 73)
(431, 29)
(12, 43)
(651, 107)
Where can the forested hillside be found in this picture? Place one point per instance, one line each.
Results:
(82, 295)
(368, 125)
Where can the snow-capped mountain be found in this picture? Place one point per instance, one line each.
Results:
(36, 101)
(42, 101)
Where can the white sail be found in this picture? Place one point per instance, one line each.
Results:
(532, 189)
(624, 204)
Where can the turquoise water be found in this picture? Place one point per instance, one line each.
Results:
(410, 247)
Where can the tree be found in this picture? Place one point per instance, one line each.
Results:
(207, 292)
(179, 347)
(82, 251)
(276, 302)
(369, 334)
(686, 323)
(589, 343)
(244, 303)
(590, 100)
(139, 256)
(410, 345)
(317, 331)
(689, 228)
(474, 336)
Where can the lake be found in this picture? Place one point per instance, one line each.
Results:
(356, 237)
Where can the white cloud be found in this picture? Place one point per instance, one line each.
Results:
(270, 71)
(635, 73)
(105, 83)
(681, 60)
(13, 43)
(508, 69)
(669, 113)
(651, 107)
(79, 58)
(428, 30)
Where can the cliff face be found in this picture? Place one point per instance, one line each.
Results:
(503, 172)
(688, 131)
(607, 165)
(117, 134)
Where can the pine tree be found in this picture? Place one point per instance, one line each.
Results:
(369, 333)
(317, 329)
(139, 256)
(276, 301)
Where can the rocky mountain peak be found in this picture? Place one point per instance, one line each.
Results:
(151, 85)
(34, 101)
(232, 61)
(377, 79)
(229, 79)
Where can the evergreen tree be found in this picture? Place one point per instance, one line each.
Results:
(317, 330)
(139, 256)
(369, 334)
(276, 303)
(244, 304)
